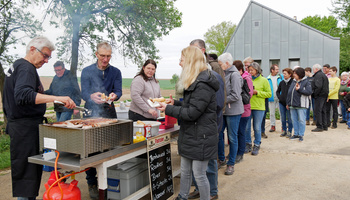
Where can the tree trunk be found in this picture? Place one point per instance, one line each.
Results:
(75, 45)
(2, 82)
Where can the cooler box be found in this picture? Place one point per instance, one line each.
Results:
(126, 178)
(167, 122)
(122, 113)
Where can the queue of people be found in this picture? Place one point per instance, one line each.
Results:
(214, 93)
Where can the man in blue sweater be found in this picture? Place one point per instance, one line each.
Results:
(98, 79)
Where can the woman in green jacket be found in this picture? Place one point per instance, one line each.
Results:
(260, 93)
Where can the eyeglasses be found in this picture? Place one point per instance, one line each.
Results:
(105, 56)
(45, 55)
(58, 70)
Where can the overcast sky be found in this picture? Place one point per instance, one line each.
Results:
(198, 17)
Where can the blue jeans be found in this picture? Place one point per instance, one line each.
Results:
(343, 110)
(241, 134)
(199, 169)
(212, 175)
(257, 116)
(221, 145)
(263, 122)
(26, 198)
(298, 118)
(232, 122)
(285, 113)
(308, 110)
(63, 116)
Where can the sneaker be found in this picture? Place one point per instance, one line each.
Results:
(317, 130)
(307, 122)
(294, 137)
(93, 191)
(255, 150)
(229, 170)
(342, 121)
(239, 158)
(289, 134)
(301, 138)
(273, 129)
(248, 148)
(325, 129)
(221, 163)
(263, 135)
(194, 194)
(313, 123)
(334, 126)
(284, 134)
(214, 197)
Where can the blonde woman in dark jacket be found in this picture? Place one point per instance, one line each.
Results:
(198, 137)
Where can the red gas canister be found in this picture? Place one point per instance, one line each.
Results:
(70, 191)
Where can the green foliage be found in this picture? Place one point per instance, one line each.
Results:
(131, 27)
(341, 8)
(174, 79)
(277, 114)
(5, 160)
(218, 36)
(328, 25)
(4, 143)
(164, 84)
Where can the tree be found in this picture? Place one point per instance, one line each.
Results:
(341, 8)
(14, 19)
(131, 26)
(218, 36)
(329, 25)
(174, 79)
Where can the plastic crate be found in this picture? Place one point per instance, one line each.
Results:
(126, 178)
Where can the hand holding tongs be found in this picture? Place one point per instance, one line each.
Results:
(86, 111)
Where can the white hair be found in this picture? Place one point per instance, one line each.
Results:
(317, 66)
(40, 42)
(226, 57)
(345, 74)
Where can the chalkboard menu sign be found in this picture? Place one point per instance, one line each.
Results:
(160, 171)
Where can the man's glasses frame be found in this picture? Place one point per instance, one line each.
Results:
(45, 55)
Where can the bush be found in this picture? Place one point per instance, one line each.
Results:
(4, 143)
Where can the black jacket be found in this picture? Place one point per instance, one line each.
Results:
(282, 91)
(320, 85)
(299, 98)
(198, 137)
(66, 85)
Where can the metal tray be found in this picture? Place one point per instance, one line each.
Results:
(86, 142)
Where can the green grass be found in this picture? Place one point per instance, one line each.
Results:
(164, 84)
(5, 161)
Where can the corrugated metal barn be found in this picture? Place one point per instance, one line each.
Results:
(270, 37)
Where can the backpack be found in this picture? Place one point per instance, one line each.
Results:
(245, 92)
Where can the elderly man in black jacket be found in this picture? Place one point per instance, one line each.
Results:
(64, 84)
(320, 88)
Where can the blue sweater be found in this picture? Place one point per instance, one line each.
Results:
(96, 80)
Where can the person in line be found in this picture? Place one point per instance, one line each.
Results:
(198, 138)
(24, 104)
(320, 88)
(274, 80)
(325, 69)
(97, 79)
(298, 100)
(212, 170)
(64, 84)
(332, 101)
(144, 86)
(346, 102)
(261, 91)
(234, 106)
(342, 92)
(282, 93)
(309, 77)
(246, 116)
(247, 61)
